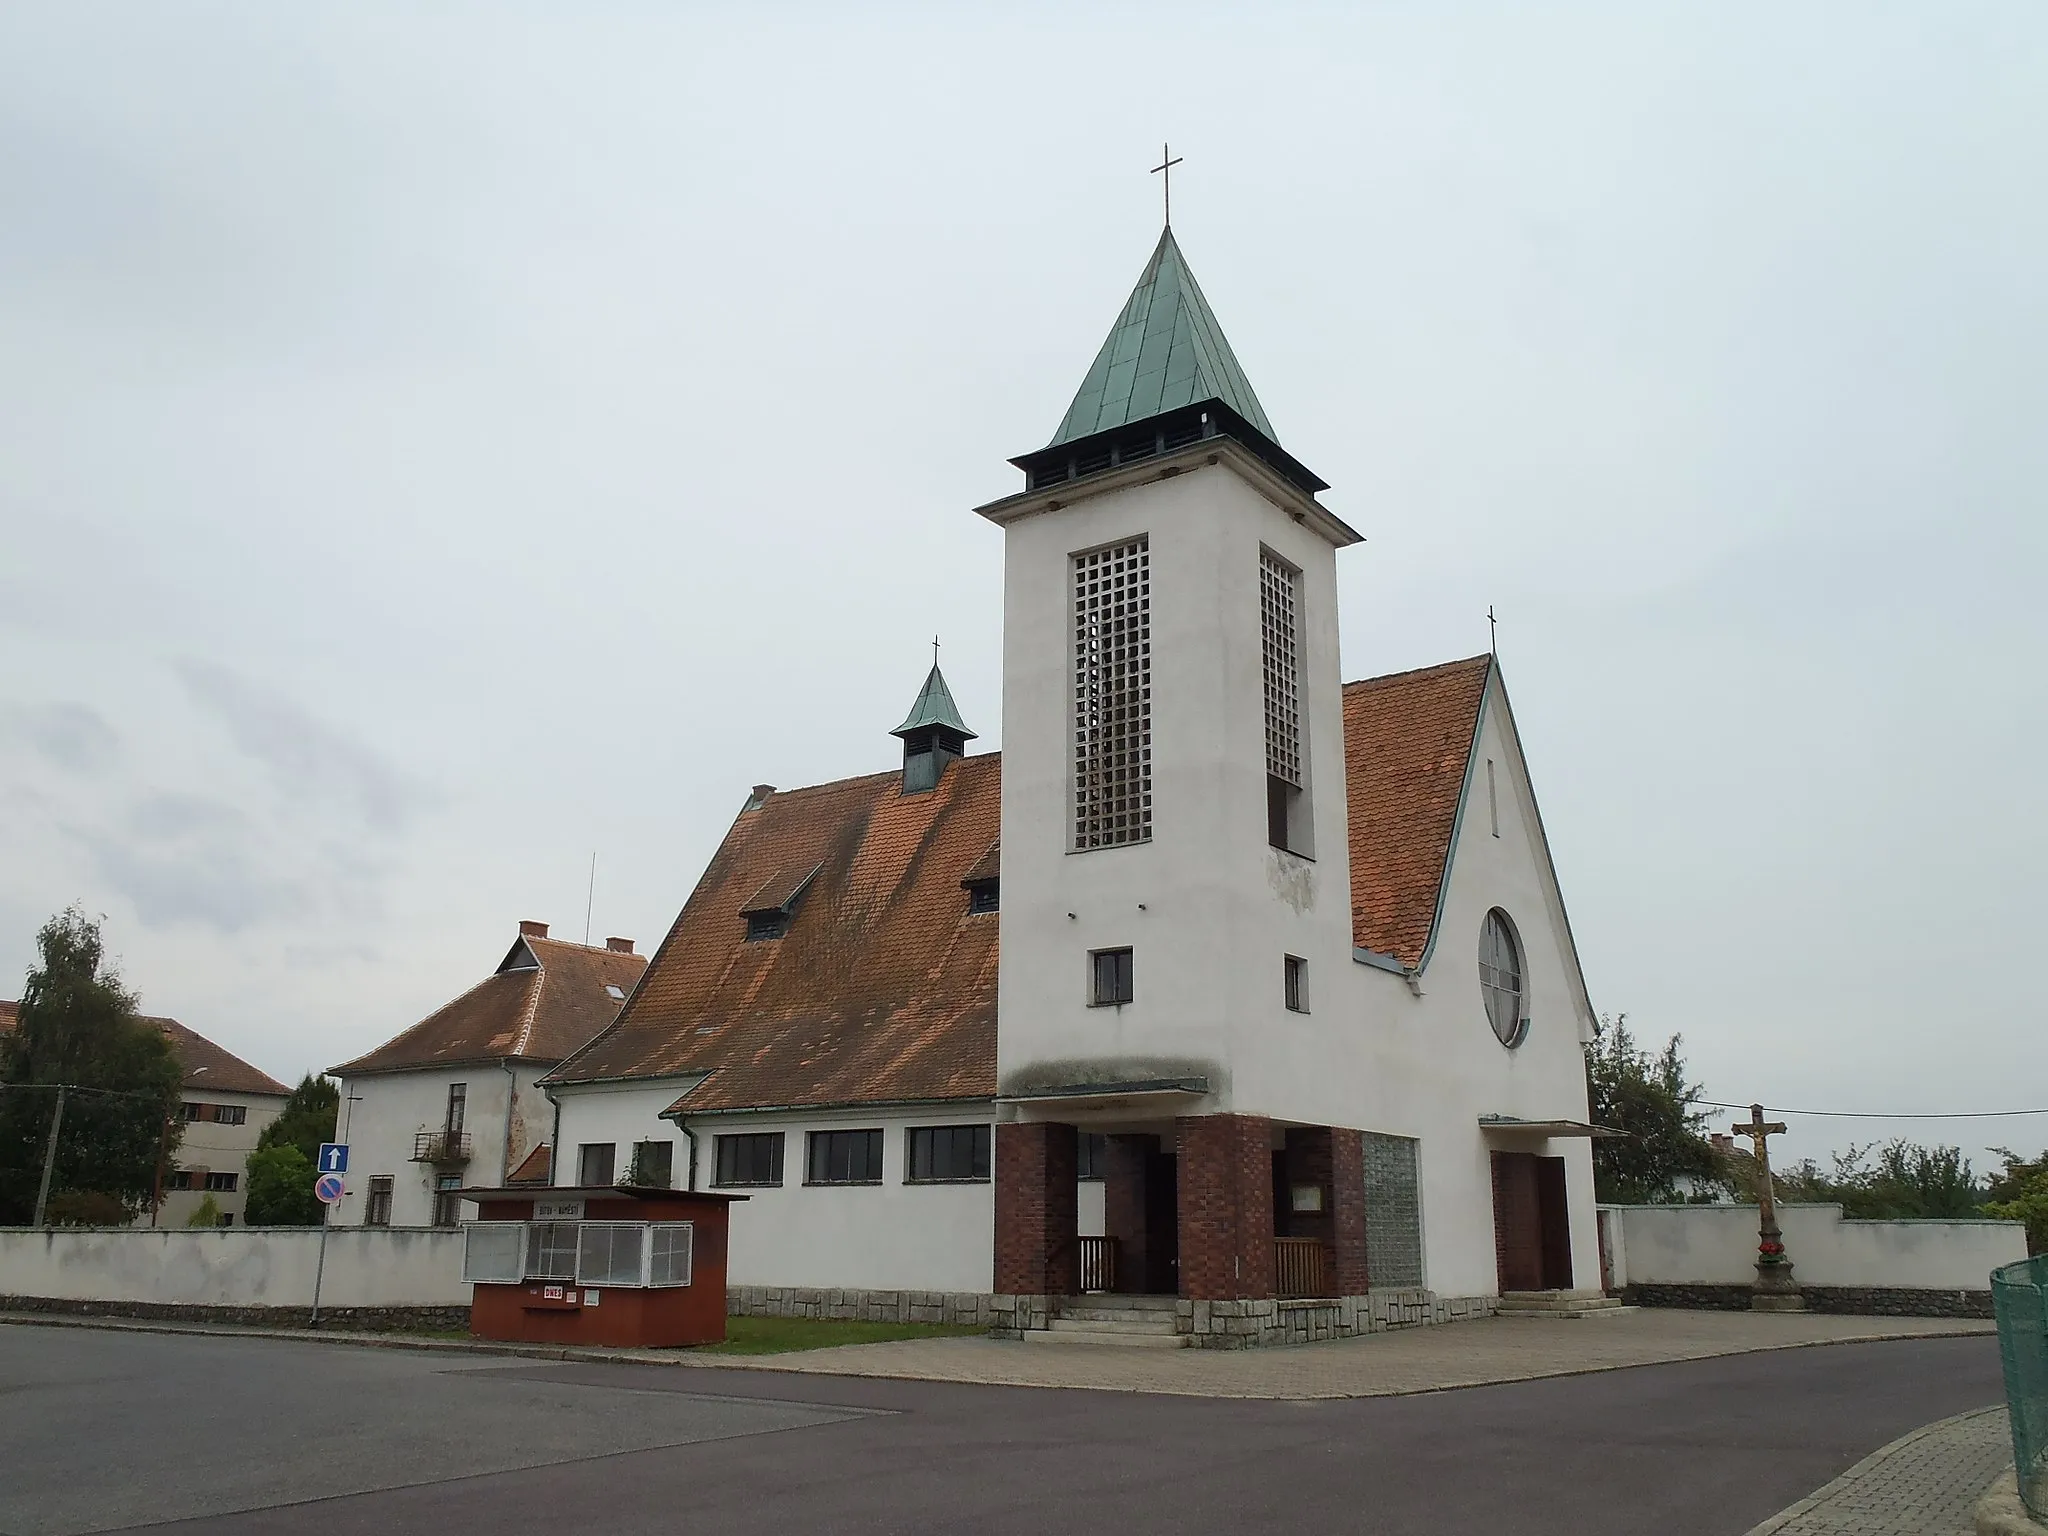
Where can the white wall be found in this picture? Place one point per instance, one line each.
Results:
(236, 1266)
(392, 1108)
(1716, 1245)
(888, 1236)
(217, 1148)
(622, 1113)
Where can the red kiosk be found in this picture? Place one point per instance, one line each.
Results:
(617, 1264)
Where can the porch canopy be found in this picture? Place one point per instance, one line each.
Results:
(1516, 1125)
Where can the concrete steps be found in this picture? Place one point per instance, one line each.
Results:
(1129, 1322)
(1560, 1306)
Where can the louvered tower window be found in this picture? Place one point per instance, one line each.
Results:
(1280, 639)
(1113, 695)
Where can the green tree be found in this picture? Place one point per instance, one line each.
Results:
(306, 1120)
(2019, 1192)
(1905, 1182)
(78, 1026)
(206, 1214)
(1647, 1098)
(281, 1189)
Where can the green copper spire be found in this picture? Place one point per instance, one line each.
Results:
(1166, 350)
(934, 707)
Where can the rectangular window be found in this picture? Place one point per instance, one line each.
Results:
(609, 1252)
(1393, 1211)
(492, 1252)
(1280, 653)
(377, 1208)
(1109, 977)
(1113, 695)
(752, 1159)
(984, 896)
(1295, 970)
(1094, 1154)
(458, 1105)
(178, 1178)
(447, 1205)
(221, 1183)
(845, 1157)
(594, 1163)
(766, 925)
(1492, 799)
(551, 1250)
(653, 1165)
(227, 1218)
(668, 1259)
(956, 1154)
(188, 1111)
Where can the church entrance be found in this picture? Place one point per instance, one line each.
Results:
(1531, 1227)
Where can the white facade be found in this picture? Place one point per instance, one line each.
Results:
(212, 1152)
(1210, 910)
(504, 1115)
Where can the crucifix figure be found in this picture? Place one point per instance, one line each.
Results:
(1774, 1290)
(1164, 170)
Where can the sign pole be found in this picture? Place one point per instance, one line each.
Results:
(49, 1157)
(320, 1267)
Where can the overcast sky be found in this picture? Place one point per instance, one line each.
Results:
(440, 442)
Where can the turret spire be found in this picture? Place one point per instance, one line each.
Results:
(933, 733)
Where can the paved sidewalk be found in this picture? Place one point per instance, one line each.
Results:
(1922, 1484)
(1380, 1365)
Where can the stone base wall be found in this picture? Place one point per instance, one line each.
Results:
(971, 1309)
(1853, 1300)
(1253, 1324)
(353, 1319)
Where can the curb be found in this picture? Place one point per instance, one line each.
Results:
(782, 1364)
(1828, 1489)
(2000, 1512)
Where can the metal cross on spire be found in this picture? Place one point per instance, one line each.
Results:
(935, 651)
(1164, 170)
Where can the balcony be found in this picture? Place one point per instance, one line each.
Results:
(444, 1149)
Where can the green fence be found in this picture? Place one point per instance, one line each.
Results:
(2020, 1294)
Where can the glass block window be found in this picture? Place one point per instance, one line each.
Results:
(1393, 1212)
(1113, 695)
(1282, 656)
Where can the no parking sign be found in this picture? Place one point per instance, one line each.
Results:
(328, 1188)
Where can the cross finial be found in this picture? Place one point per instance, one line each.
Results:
(1492, 633)
(1164, 170)
(935, 650)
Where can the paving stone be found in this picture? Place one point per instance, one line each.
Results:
(1922, 1484)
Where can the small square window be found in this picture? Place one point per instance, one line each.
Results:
(594, 1163)
(766, 925)
(1109, 977)
(1295, 971)
(653, 1165)
(984, 896)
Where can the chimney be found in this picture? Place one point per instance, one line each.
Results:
(529, 929)
(759, 797)
(619, 946)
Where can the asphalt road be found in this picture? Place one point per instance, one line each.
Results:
(114, 1431)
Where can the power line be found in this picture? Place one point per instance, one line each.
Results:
(1849, 1114)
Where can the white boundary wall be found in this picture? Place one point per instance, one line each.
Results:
(1716, 1245)
(236, 1266)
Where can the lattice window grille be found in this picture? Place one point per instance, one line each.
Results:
(1113, 695)
(1282, 647)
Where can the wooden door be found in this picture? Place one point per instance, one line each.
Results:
(1517, 1221)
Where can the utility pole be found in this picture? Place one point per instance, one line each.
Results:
(49, 1157)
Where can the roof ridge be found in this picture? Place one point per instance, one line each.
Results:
(540, 980)
(891, 775)
(1437, 666)
(431, 1014)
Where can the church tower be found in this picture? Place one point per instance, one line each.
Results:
(1175, 871)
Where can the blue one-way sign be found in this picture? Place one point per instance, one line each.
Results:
(333, 1157)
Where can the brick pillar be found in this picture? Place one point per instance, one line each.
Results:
(1226, 1207)
(1038, 1169)
(1347, 1211)
(1123, 1206)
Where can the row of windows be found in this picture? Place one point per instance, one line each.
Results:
(933, 1154)
(214, 1114)
(200, 1178)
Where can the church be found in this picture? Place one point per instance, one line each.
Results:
(1229, 1003)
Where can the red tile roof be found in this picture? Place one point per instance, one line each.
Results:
(1407, 740)
(546, 999)
(206, 1065)
(884, 987)
(537, 1167)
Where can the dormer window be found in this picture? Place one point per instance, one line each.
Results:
(984, 896)
(769, 911)
(983, 882)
